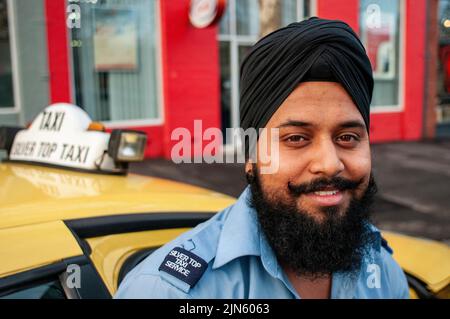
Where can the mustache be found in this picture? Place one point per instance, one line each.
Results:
(338, 183)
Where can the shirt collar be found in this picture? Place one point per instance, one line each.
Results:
(377, 234)
(242, 236)
(240, 233)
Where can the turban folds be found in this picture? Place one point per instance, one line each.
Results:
(312, 50)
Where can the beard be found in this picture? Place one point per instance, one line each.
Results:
(308, 246)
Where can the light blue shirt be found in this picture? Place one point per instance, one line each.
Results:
(241, 264)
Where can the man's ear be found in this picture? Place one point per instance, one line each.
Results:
(249, 172)
(248, 167)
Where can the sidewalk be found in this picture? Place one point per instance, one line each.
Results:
(413, 180)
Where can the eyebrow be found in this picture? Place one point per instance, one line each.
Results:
(295, 123)
(346, 124)
(353, 124)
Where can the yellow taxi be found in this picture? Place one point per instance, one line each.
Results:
(73, 222)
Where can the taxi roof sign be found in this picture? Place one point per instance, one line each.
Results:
(59, 136)
(62, 118)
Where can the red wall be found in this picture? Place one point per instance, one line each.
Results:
(407, 124)
(342, 10)
(191, 72)
(58, 50)
(415, 63)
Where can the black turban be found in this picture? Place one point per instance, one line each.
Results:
(312, 50)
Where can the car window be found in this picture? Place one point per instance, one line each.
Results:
(48, 290)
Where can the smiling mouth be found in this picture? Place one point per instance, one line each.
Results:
(326, 193)
(330, 197)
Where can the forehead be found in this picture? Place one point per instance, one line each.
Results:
(322, 104)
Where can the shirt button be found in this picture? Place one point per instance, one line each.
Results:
(189, 245)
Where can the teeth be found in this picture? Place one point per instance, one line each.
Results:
(326, 193)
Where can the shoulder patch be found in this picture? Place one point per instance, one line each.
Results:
(184, 265)
(384, 244)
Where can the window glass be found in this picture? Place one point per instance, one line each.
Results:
(114, 58)
(6, 80)
(247, 17)
(243, 51)
(380, 34)
(224, 25)
(49, 290)
(289, 11)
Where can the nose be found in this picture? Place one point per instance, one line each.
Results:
(326, 160)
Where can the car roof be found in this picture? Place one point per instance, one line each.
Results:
(32, 194)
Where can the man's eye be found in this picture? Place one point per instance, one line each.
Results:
(295, 138)
(348, 138)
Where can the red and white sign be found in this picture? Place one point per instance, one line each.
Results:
(204, 13)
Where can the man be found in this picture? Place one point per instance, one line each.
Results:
(302, 231)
